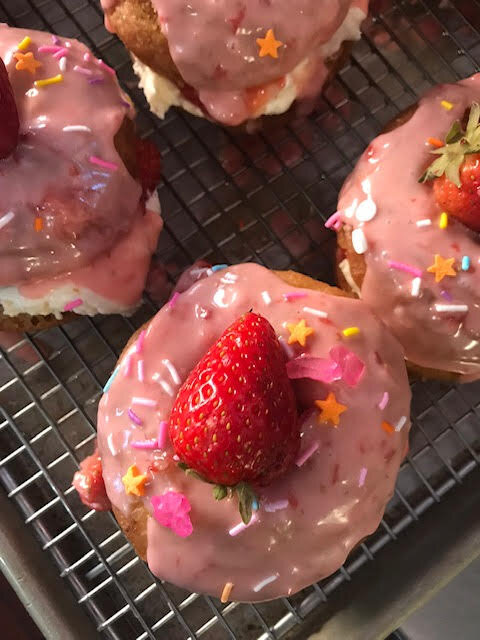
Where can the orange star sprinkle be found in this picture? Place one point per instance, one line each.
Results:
(269, 45)
(442, 267)
(134, 481)
(299, 332)
(331, 410)
(27, 62)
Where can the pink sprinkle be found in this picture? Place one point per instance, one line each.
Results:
(294, 295)
(73, 304)
(87, 57)
(84, 70)
(134, 418)
(96, 80)
(352, 367)
(270, 507)
(401, 266)
(146, 402)
(103, 163)
(171, 510)
(140, 341)
(303, 457)
(362, 476)
(144, 444)
(162, 434)
(128, 365)
(241, 526)
(105, 66)
(55, 39)
(60, 53)
(335, 221)
(49, 48)
(140, 371)
(384, 401)
(171, 303)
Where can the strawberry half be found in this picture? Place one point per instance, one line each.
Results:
(9, 122)
(89, 484)
(235, 421)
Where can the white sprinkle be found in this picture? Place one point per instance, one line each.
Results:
(86, 57)
(316, 312)
(451, 308)
(62, 63)
(172, 371)
(416, 282)
(4, 220)
(401, 423)
(286, 347)
(426, 222)
(68, 44)
(76, 127)
(229, 278)
(111, 446)
(271, 507)
(264, 583)
(241, 526)
(266, 297)
(359, 241)
(166, 387)
(363, 475)
(366, 210)
(146, 402)
(140, 371)
(305, 455)
(349, 211)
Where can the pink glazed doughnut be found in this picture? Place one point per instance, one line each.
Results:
(334, 495)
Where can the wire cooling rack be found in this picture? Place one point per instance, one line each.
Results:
(226, 197)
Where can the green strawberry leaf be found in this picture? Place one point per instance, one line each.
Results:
(246, 497)
(455, 134)
(220, 492)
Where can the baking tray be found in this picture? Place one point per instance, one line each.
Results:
(228, 197)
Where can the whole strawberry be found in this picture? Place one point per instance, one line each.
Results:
(9, 123)
(235, 420)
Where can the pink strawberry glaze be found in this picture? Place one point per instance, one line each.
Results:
(213, 45)
(52, 164)
(389, 170)
(327, 512)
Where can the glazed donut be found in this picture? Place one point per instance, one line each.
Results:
(231, 61)
(73, 186)
(408, 232)
(350, 390)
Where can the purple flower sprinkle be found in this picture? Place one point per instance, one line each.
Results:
(134, 418)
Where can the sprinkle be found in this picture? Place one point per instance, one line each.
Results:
(219, 267)
(105, 66)
(96, 80)
(134, 418)
(258, 587)
(109, 382)
(76, 127)
(140, 341)
(162, 434)
(55, 39)
(334, 221)
(87, 57)
(146, 402)
(140, 371)
(241, 526)
(103, 163)
(308, 453)
(448, 106)
(38, 224)
(401, 266)
(386, 426)
(255, 504)
(451, 308)
(362, 476)
(144, 444)
(330, 409)
(350, 331)
(442, 267)
(384, 401)
(4, 220)
(49, 48)
(171, 303)
(465, 263)
(27, 62)
(167, 388)
(73, 304)
(266, 297)
(289, 352)
(444, 293)
(435, 142)
(443, 223)
(62, 64)
(425, 222)
(269, 45)
(315, 312)
(294, 295)
(128, 365)
(271, 507)
(48, 81)
(366, 210)
(401, 423)
(172, 371)
(299, 332)
(134, 481)
(359, 241)
(61, 53)
(84, 70)
(416, 283)
(227, 590)
(24, 44)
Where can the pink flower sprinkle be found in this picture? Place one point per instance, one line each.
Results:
(384, 401)
(105, 66)
(144, 444)
(140, 371)
(60, 53)
(171, 303)
(162, 434)
(171, 510)
(305, 455)
(362, 476)
(84, 70)
(401, 266)
(294, 295)
(140, 341)
(241, 526)
(335, 221)
(73, 304)
(351, 365)
(103, 163)
(134, 418)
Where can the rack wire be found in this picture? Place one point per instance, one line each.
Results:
(226, 197)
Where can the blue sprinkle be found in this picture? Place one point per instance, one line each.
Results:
(465, 263)
(255, 505)
(219, 267)
(110, 380)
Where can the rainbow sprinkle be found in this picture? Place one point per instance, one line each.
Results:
(49, 48)
(266, 297)
(128, 365)
(241, 526)
(384, 401)
(61, 53)
(105, 66)
(76, 127)
(271, 507)
(227, 590)
(26, 42)
(109, 382)
(362, 476)
(145, 402)
(134, 418)
(305, 455)
(8, 217)
(95, 81)
(84, 70)
(38, 224)
(451, 308)
(258, 587)
(426, 222)
(63, 64)
(162, 434)
(103, 163)
(294, 295)
(144, 444)
(465, 263)
(73, 304)
(350, 331)
(443, 223)
(140, 371)
(401, 266)
(171, 303)
(334, 221)
(219, 267)
(416, 283)
(316, 312)
(140, 341)
(48, 81)
(401, 423)
(448, 106)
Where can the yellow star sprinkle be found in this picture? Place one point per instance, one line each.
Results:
(331, 410)
(299, 332)
(27, 62)
(442, 267)
(269, 45)
(134, 481)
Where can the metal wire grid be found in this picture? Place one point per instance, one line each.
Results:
(228, 198)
